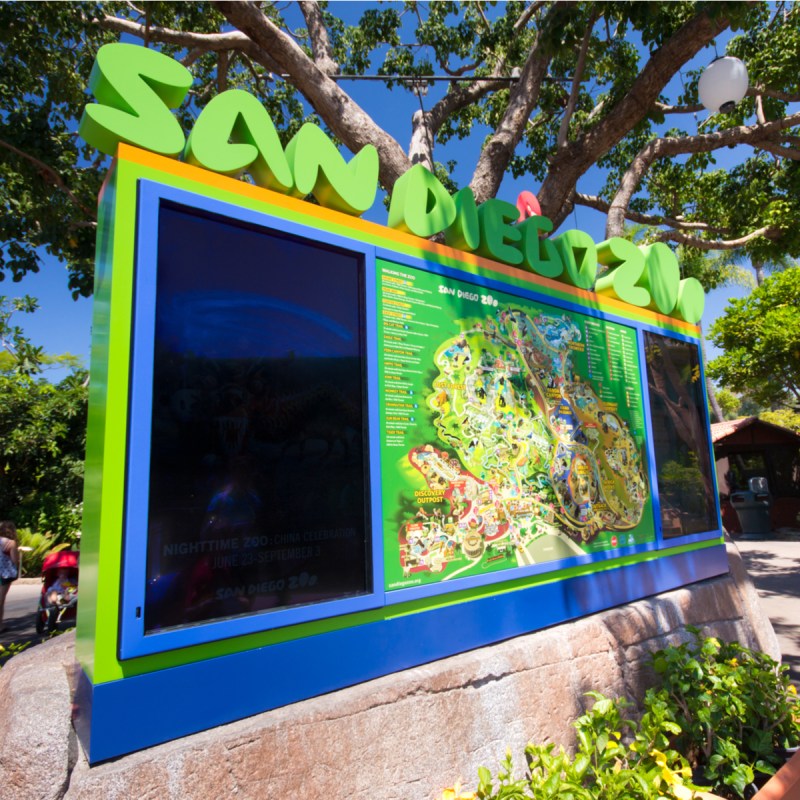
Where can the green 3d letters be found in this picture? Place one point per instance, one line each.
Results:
(319, 169)
(498, 236)
(235, 134)
(539, 255)
(420, 204)
(465, 232)
(135, 87)
(691, 301)
(661, 277)
(626, 262)
(580, 258)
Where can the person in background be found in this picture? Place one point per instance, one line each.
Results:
(9, 562)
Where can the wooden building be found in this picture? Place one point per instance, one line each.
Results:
(751, 448)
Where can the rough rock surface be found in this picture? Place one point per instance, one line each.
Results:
(38, 747)
(403, 736)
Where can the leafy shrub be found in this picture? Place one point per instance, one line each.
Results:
(41, 544)
(13, 649)
(617, 759)
(722, 715)
(735, 709)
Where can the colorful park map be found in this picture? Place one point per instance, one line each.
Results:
(529, 463)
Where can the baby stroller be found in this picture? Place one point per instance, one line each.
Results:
(58, 602)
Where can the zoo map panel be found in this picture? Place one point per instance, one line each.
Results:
(512, 431)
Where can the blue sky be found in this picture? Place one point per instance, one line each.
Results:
(64, 325)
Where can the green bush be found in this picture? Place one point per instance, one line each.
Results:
(735, 709)
(721, 715)
(617, 759)
(41, 544)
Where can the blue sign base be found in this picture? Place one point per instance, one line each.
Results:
(172, 703)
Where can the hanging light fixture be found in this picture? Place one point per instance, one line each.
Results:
(723, 84)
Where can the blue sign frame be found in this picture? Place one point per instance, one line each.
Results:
(133, 640)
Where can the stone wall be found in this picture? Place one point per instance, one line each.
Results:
(402, 737)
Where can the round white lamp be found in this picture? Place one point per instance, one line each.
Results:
(723, 84)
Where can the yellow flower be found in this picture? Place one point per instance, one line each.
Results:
(659, 757)
(792, 688)
(456, 794)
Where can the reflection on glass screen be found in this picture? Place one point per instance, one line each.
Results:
(257, 474)
(680, 436)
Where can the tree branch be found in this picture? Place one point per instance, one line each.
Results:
(753, 91)
(318, 33)
(784, 97)
(673, 145)
(667, 109)
(348, 121)
(576, 81)
(525, 16)
(223, 62)
(196, 43)
(426, 125)
(760, 110)
(784, 152)
(578, 156)
(524, 95)
(768, 232)
(646, 219)
(49, 175)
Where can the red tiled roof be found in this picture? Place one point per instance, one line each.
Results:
(719, 430)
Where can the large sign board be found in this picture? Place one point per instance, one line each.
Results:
(312, 435)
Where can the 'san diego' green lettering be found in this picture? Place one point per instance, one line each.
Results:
(579, 256)
(319, 169)
(136, 87)
(465, 232)
(420, 204)
(539, 255)
(499, 239)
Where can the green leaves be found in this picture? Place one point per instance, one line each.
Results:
(617, 759)
(42, 432)
(720, 708)
(760, 337)
(732, 706)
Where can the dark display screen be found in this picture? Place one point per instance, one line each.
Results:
(257, 488)
(680, 436)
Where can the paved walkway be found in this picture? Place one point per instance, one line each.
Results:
(19, 617)
(774, 566)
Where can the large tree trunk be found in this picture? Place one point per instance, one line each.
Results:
(570, 163)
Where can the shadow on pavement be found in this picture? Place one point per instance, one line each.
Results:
(772, 564)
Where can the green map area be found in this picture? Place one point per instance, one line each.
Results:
(513, 431)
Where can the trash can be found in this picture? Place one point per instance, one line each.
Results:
(752, 506)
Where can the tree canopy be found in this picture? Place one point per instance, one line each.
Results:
(42, 432)
(595, 103)
(760, 337)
